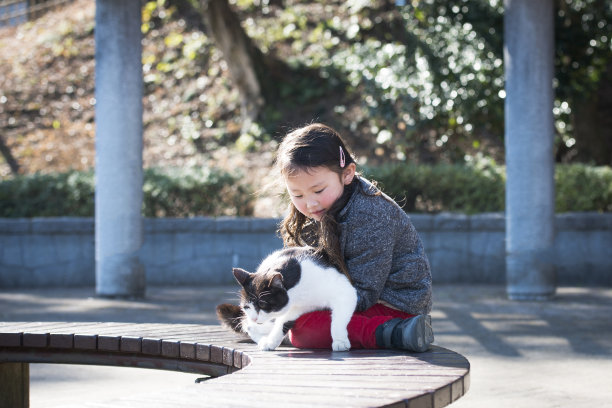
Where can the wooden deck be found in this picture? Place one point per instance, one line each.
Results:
(284, 377)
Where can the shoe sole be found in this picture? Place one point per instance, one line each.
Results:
(417, 334)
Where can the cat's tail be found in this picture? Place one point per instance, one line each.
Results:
(231, 316)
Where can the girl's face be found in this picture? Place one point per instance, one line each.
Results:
(314, 191)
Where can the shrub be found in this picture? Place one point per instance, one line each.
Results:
(48, 195)
(480, 187)
(195, 191)
(583, 188)
(166, 193)
(444, 187)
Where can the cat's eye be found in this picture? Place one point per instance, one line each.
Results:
(245, 307)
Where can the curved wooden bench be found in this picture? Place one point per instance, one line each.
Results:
(286, 376)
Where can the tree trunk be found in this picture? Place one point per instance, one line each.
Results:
(592, 123)
(244, 60)
(8, 157)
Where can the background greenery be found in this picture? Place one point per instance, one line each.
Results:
(167, 193)
(415, 89)
(478, 187)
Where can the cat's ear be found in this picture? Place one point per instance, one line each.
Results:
(241, 275)
(277, 281)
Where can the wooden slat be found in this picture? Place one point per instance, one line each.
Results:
(10, 339)
(170, 348)
(35, 339)
(187, 350)
(151, 346)
(216, 354)
(202, 352)
(109, 342)
(130, 344)
(85, 341)
(65, 341)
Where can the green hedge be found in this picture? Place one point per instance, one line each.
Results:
(583, 188)
(213, 192)
(167, 193)
(480, 188)
(444, 187)
(48, 195)
(195, 191)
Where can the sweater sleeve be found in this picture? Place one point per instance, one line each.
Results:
(368, 256)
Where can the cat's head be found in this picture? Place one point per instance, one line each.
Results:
(263, 294)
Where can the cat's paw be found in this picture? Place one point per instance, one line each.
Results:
(341, 345)
(256, 335)
(266, 344)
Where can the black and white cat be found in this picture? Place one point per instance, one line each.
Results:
(289, 283)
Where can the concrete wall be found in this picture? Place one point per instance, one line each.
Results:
(201, 251)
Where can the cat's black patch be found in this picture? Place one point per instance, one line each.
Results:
(291, 271)
(265, 295)
(320, 258)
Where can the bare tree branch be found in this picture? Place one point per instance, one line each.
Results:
(8, 156)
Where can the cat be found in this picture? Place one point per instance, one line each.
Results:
(289, 283)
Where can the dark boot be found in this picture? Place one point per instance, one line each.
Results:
(413, 334)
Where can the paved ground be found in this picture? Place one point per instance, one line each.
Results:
(522, 354)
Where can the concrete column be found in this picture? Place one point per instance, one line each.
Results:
(530, 207)
(15, 385)
(119, 90)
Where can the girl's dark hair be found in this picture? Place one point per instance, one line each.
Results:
(312, 146)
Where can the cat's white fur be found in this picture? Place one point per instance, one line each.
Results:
(256, 331)
(319, 288)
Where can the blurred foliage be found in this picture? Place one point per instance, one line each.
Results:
(190, 192)
(473, 188)
(583, 41)
(479, 187)
(443, 187)
(48, 195)
(583, 188)
(167, 193)
(429, 74)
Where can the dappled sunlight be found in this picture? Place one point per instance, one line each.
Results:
(576, 321)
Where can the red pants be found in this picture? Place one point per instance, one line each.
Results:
(312, 330)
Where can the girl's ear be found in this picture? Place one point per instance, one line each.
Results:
(349, 173)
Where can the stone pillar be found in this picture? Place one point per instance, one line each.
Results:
(530, 207)
(119, 91)
(15, 385)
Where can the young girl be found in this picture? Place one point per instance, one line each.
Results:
(365, 234)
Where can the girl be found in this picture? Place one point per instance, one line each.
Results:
(365, 234)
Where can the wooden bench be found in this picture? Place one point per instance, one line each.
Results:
(284, 377)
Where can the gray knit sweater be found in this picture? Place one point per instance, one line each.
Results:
(383, 252)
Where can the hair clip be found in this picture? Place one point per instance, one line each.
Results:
(342, 158)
